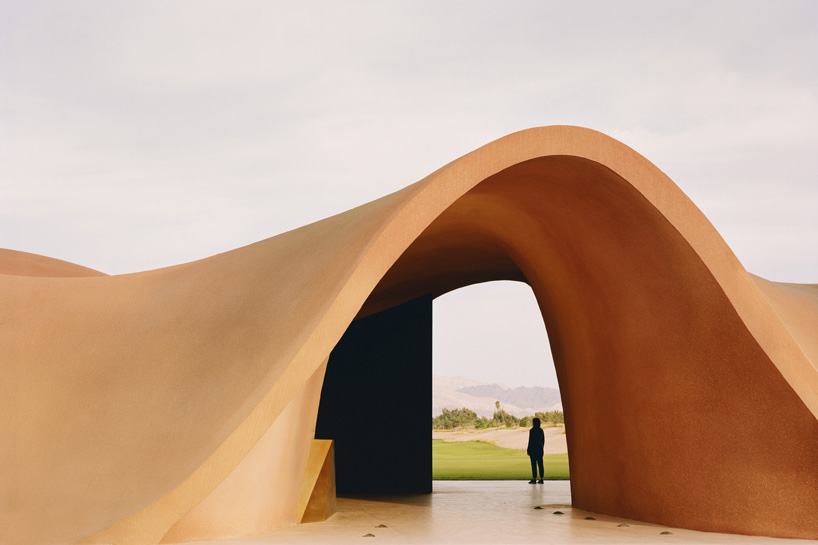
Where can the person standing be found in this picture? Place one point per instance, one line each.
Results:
(536, 447)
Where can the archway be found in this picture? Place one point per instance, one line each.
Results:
(491, 351)
(642, 335)
(375, 400)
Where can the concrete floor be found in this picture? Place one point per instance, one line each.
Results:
(483, 512)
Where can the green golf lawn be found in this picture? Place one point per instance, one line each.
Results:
(475, 460)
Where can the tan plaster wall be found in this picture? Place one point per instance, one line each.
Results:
(159, 382)
(263, 491)
(129, 400)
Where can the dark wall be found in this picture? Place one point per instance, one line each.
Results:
(376, 401)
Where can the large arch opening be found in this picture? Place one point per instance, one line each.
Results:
(492, 357)
(379, 381)
(641, 333)
(557, 224)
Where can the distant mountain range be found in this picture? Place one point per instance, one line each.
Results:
(459, 392)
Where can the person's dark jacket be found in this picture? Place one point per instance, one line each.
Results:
(536, 442)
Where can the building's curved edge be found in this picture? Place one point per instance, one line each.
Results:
(16, 263)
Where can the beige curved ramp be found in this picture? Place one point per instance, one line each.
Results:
(132, 405)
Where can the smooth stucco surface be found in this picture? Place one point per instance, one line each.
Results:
(130, 403)
(487, 512)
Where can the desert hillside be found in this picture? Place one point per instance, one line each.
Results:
(480, 397)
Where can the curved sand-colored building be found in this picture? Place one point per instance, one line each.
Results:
(179, 404)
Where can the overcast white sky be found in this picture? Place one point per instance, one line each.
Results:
(136, 135)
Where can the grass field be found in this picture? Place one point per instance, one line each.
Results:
(474, 460)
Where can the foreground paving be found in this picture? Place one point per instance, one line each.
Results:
(484, 512)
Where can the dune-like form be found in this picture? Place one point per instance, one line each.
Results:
(179, 404)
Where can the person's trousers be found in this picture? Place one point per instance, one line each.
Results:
(536, 461)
